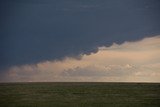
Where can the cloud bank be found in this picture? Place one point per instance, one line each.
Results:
(34, 31)
(137, 61)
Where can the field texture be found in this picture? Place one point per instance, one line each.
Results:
(79, 95)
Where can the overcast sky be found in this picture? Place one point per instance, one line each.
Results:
(84, 40)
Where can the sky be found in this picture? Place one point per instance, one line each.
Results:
(80, 41)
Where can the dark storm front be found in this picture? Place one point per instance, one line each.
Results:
(40, 30)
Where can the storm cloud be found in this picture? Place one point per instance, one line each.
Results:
(35, 31)
(129, 62)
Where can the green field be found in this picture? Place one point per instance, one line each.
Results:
(79, 95)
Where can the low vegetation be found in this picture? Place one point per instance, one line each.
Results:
(79, 95)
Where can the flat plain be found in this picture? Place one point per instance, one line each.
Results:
(72, 94)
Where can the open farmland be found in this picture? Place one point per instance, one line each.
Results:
(79, 94)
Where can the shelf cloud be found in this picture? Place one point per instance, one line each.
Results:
(35, 31)
(137, 61)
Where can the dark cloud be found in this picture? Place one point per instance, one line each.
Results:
(36, 30)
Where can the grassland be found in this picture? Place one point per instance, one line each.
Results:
(79, 95)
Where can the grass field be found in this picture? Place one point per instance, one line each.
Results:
(79, 95)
